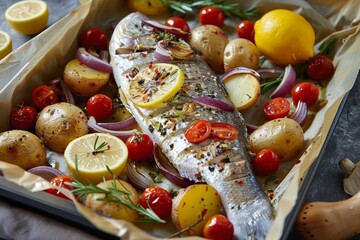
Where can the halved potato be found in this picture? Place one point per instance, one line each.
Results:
(244, 90)
(82, 80)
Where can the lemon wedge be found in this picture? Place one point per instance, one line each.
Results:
(28, 17)
(5, 44)
(94, 152)
(155, 84)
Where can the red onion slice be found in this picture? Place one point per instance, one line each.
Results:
(67, 93)
(176, 31)
(94, 127)
(240, 70)
(104, 55)
(168, 170)
(251, 127)
(46, 172)
(300, 113)
(161, 54)
(286, 83)
(138, 175)
(118, 125)
(266, 73)
(212, 102)
(93, 62)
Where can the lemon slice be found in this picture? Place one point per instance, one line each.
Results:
(28, 17)
(154, 85)
(5, 44)
(92, 164)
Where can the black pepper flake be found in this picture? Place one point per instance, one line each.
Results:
(221, 169)
(151, 128)
(171, 146)
(163, 132)
(211, 168)
(226, 160)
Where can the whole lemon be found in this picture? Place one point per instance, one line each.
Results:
(284, 37)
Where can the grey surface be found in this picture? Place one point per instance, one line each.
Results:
(327, 183)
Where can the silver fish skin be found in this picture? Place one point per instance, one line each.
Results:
(224, 165)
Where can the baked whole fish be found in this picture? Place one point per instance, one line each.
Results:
(223, 164)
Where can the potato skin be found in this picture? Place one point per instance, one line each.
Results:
(111, 209)
(241, 52)
(210, 42)
(22, 148)
(58, 124)
(284, 136)
(82, 80)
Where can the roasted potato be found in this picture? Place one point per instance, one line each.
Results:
(58, 124)
(22, 148)
(113, 209)
(283, 135)
(191, 203)
(82, 80)
(210, 42)
(241, 52)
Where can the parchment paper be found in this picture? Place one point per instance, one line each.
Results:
(44, 57)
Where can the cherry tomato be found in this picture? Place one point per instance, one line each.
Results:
(100, 107)
(178, 22)
(43, 96)
(224, 131)
(140, 147)
(266, 162)
(276, 108)
(23, 118)
(307, 92)
(158, 199)
(60, 182)
(94, 38)
(245, 29)
(218, 227)
(198, 132)
(211, 15)
(320, 68)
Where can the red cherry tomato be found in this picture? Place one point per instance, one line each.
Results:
(320, 68)
(218, 227)
(276, 108)
(60, 182)
(23, 118)
(158, 199)
(266, 162)
(140, 147)
(211, 15)
(43, 96)
(94, 38)
(245, 29)
(224, 131)
(307, 92)
(198, 132)
(100, 107)
(178, 22)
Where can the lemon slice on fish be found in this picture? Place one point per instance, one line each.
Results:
(155, 84)
(94, 153)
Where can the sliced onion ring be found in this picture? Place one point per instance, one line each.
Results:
(168, 170)
(93, 62)
(176, 31)
(300, 113)
(118, 125)
(286, 83)
(208, 101)
(161, 54)
(138, 175)
(240, 70)
(67, 93)
(94, 127)
(266, 73)
(46, 172)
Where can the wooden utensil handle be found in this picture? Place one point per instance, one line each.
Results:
(329, 220)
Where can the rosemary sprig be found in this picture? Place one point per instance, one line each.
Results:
(101, 148)
(229, 9)
(266, 86)
(113, 194)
